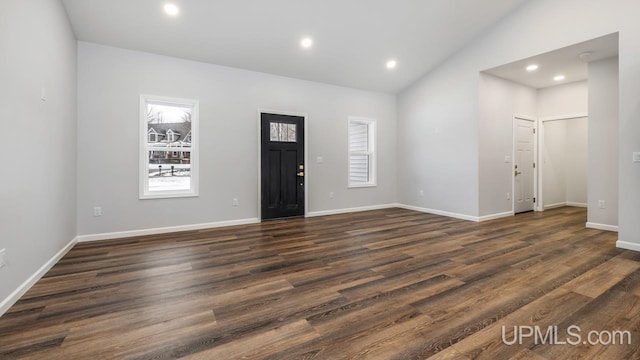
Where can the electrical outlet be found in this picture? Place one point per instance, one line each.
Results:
(2, 261)
(508, 196)
(601, 204)
(421, 192)
(97, 211)
(636, 157)
(235, 202)
(331, 195)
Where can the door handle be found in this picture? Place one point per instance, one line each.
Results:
(301, 173)
(517, 173)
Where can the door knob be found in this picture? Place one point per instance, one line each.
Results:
(518, 173)
(301, 173)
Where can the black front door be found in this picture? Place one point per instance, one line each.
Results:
(282, 166)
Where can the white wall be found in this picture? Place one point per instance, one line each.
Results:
(605, 160)
(554, 169)
(564, 143)
(110, 81)
(577, 161)
(447, 99)
(564, 152)
(563, 100)
(38, 182)
(499, 100)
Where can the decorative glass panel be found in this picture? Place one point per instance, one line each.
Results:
(283, 132)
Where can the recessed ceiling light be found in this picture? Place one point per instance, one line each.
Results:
(306, 43)
(532, 67)
(171, 9)
(559, 77)
(391, 64)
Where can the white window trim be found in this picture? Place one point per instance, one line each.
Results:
(143, 164)
(373, 144)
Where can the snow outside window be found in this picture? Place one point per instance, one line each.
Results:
(168, 160)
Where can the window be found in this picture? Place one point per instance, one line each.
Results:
(168, 163)
(362, 169)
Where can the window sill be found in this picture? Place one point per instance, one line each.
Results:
(364, 185)
(168, 195)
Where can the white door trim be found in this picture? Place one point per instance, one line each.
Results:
(540, 167)
(533, 119)
(306, 155)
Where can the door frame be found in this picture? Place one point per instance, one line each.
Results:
(306, 155)
(538, 201)
(541, 147)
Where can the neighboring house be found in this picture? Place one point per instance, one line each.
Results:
(170, 135)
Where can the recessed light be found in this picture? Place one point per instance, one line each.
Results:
(559, 77)
(391, 64)
(532, 67)
(306, 43)
(171, 9)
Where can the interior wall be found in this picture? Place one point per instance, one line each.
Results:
(38, 186)
(110, 82)
(564, 162)
(554, 173)
(577, 147)
(563, 100)
(446, 98)
(564, 143)
(499, 100)
(607, 128)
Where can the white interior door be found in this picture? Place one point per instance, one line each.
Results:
(524, 165)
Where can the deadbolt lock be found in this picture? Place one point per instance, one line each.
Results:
(301, 167)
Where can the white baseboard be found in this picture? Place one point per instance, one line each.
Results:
(164, 230)
(495, 216)
(628, 245)
(350, 210)
(553, 206)
(440, 212)
(25, 286)
(575, 204)
(605, 227)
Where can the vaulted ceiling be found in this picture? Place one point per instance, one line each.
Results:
(352, 39)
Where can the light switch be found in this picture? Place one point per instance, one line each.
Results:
(43, 94)
(636, 157)
(507, 159)
(319, 160)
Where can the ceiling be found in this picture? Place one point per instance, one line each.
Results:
(565, 61)
(353, 39)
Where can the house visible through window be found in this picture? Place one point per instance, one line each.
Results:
(168, 159)
(361, 152)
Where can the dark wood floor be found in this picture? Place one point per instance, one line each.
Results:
(387, 284)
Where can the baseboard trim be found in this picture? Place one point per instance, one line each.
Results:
(554, 206)
(605, 227)
(575, 204)
(8, 302)
(627, 245)
(496, 216)
(440, 212)
(350, 210)
(165, 230)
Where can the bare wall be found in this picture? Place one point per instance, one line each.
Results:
(38, 182)
(110, 82)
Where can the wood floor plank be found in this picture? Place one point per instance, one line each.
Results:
(382, 284)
